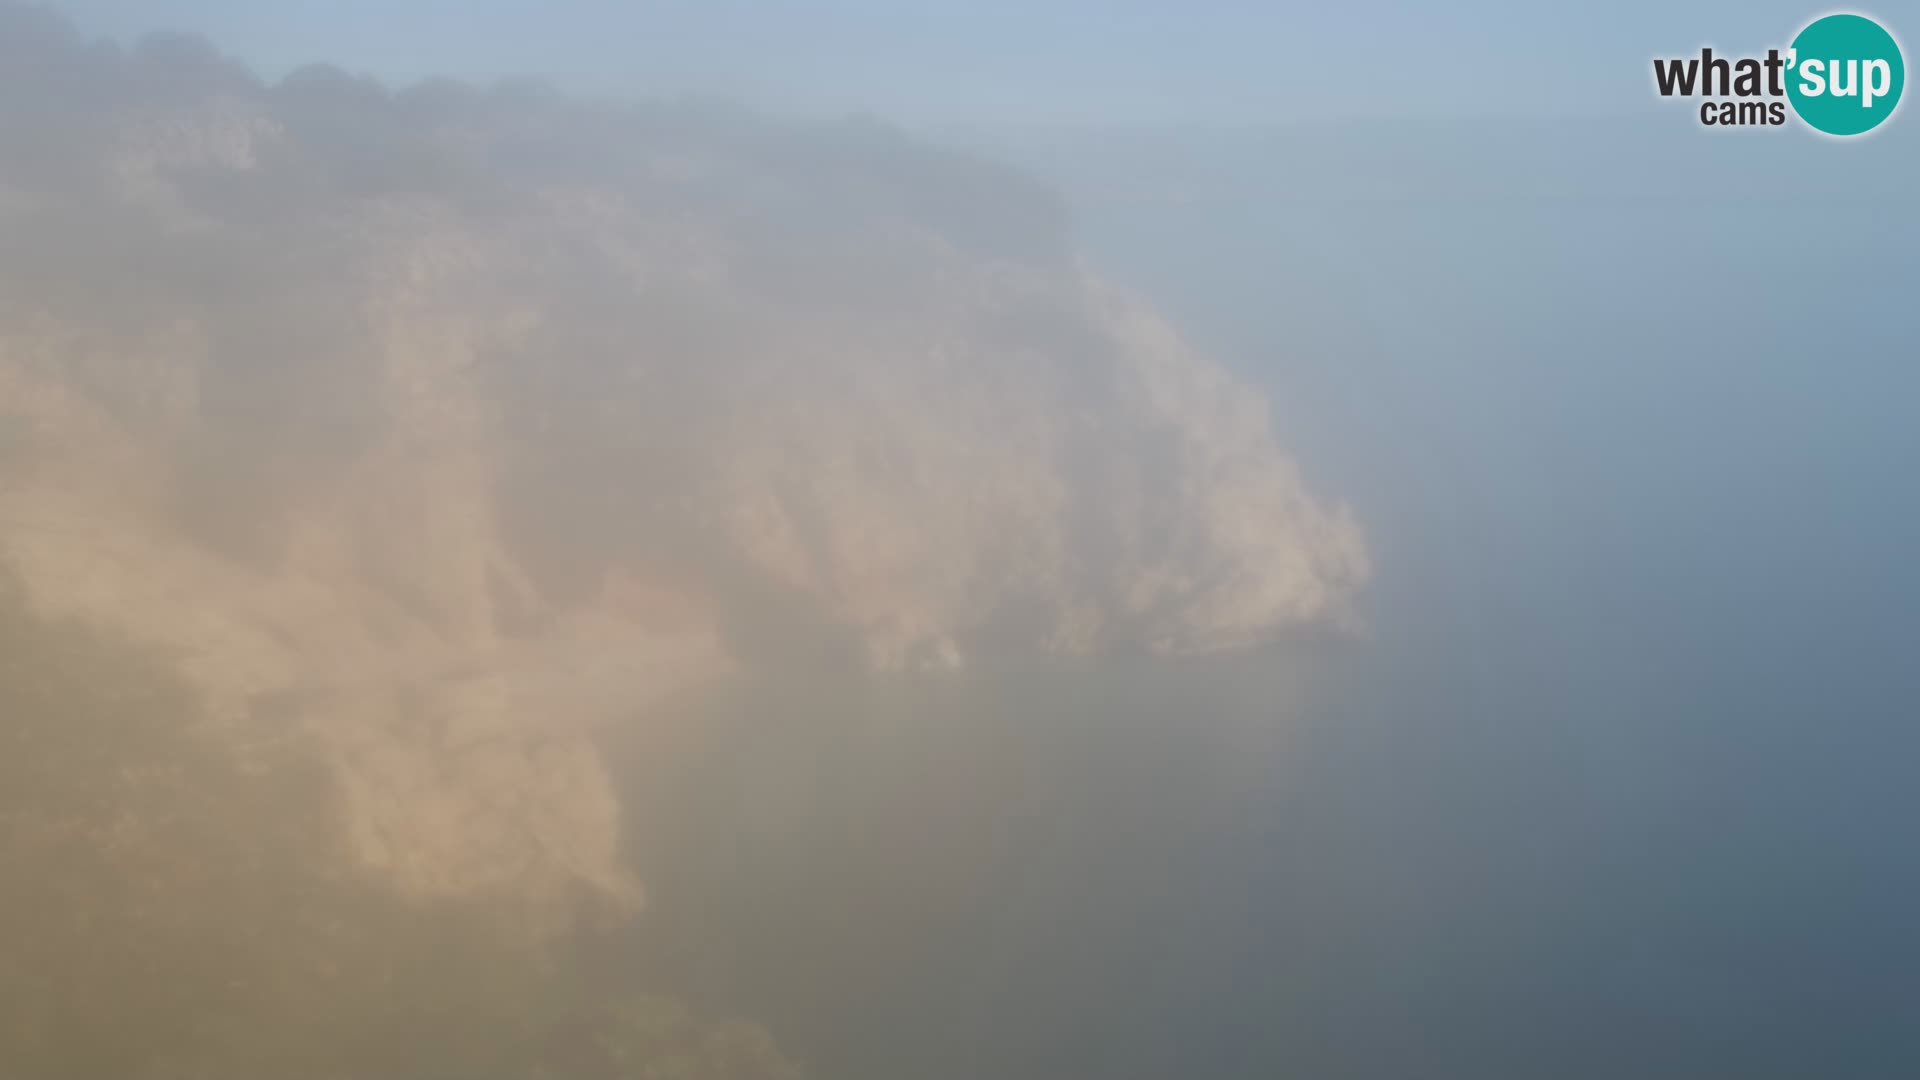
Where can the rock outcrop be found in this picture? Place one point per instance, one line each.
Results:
(440, 426)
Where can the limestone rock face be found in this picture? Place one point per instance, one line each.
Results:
(439, 427)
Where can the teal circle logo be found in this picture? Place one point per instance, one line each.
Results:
(1845, 74)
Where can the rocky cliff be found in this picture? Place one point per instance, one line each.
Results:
(437, 427)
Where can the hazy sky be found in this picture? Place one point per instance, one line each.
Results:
(994, 61)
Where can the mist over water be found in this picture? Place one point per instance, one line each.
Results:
(999, 873)
(1612, 783)
(702, 567)
(1611, 787)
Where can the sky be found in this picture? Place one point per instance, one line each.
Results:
(942, 63)
(1617, 781)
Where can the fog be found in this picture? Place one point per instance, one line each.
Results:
(505, 581)
(1612, 788)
